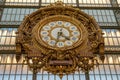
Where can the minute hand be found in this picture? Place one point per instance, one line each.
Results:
(66, 37)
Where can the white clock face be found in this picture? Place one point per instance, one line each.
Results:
(60, 34)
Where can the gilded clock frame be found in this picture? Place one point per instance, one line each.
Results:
(40, 43)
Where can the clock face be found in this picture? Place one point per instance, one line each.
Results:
(59, 34)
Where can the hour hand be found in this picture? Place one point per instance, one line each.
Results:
(58, 35)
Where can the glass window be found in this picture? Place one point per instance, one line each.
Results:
(25, 69)
(1, 77)
(7, 69)
(103, 77)
(95, 3)
(82, 77)
(106, 41)
(29, 77)
(97, 77)
(7, 37)
(14, 16)
(102, 71)
(19, 69)
(103, 17)
(76, 77)
(45, 77)
(105, 71)
(47, 2)
(109, 77)
(50, 77)
(25, 77)
(13, 69)
(111, 38)
(18, 77)
(2, 69)
(96, 70)
(23, 2)
(92, 77)
(5, 77)
(100, 19)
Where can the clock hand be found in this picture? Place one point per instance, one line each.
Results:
(58, 36)
(66, 37)
(61, 34)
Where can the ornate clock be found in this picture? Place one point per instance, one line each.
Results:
(59, 33)
(59, 39)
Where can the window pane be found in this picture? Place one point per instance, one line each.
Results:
(22, 2)
(95, 3)
(103, 17)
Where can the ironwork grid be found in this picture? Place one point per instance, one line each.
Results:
(11, 70)
(106, 13)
